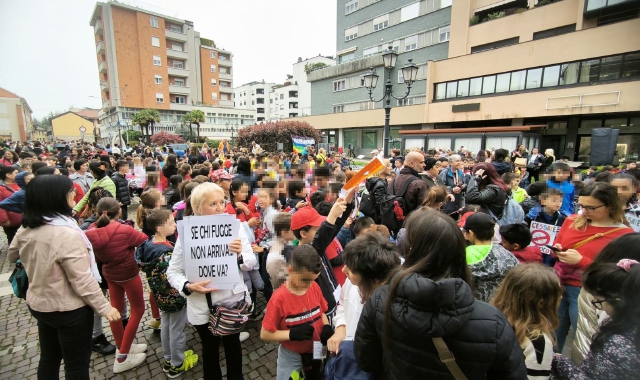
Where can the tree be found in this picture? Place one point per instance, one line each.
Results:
(267, 135)
(146, 118)
(195, 117)
(131, 135)
(309, 67)
(163, 138)
(185, 133)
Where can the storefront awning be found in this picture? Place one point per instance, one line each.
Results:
(522, 128)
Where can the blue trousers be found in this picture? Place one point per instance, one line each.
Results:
(567, 314)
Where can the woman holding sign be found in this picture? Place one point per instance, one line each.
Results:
(208, 199)
(580, 240)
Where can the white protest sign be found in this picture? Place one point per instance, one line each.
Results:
(634, 221)
(543, 234)
(206, 250)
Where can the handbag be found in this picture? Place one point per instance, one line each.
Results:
(596, 236)
(228, 320)
(520, 161)
(19, 280)
(448, 359)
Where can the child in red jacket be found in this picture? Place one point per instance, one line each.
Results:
(114, 244)
(517, 239)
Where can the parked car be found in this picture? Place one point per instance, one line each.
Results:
(179, 149)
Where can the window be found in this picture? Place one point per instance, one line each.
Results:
(159, 97)
(381, 22)
(281, 107)
(554, 32)
(213, 68)
(351, 33)
(177, 46)
(502, 82)
(410, 12)
(589, 71)
(517, 80)
(281, 96)
(441, 91)
(339, 85)
(350, 7)
(475, 86)
(631, 65)
(155, 41)
(178, 65)
(369, 139)
(452, 89)
(534, 78)
(158, 79)
(213, 54)
(178, 82)
(494, 45)
(346, 58)
(551, 76)
(410, 43)
(156, 60)
(215, 83)
(444, 33)
(214, 95)
(154, 21)
(225, 70)
(569, 73)
(610, 68)
(488, 84)
(175, 28)
(179, 99)
(370, 51)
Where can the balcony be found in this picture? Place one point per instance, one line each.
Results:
(597, 8)
(180, 107)
(293, 94)
(102, 66)
(104, 86)
(224, 62)
(177, 54)
(97, 28)
(173, 71)
(106, 103)
(228, 89)
(182, 90)
(226, 103)
(226, 76)
(293, 106)
(100, 47)
(175, 35)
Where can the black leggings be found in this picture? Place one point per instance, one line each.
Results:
(211, 354)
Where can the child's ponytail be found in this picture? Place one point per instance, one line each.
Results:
(107, 209)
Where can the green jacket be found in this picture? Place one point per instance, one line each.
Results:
(519, 194)
(106, 183)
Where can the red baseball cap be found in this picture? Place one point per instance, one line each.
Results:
(463, 219)
(306, 216)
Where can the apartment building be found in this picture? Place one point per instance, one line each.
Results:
(417, 30)
(254, 96)
(539, 73)
(15, 117)
(151, 60)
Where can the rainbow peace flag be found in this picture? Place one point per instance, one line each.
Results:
(300, 143)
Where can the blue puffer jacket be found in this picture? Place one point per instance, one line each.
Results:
(15, 203)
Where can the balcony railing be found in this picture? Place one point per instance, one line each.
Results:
(106, 103)
(104, 86)
(97, 27)
(178, 72)
(176, 89)
(100, 47)
(102, 66)
(177, 54)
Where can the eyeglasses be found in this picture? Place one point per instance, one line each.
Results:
(589, 208)
(598, 304)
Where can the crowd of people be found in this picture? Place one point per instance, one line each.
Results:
(443, 264)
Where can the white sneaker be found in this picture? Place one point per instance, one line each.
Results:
(135, 349)
(132, 361)
(244, 336)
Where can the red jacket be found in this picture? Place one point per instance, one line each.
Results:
(241, 216)
(528, 255)
(13, 218)
(114, 246)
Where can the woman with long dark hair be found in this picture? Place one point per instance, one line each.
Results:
(534, 163)
(615, 350)
(429, 297)
(487, 190)
(63, 277)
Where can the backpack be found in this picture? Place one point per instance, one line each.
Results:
(393, 207)
(19, 281)
(512, 214)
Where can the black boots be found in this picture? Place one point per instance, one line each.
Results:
(101, 345)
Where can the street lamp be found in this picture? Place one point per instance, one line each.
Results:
(409, 73)
(232, 128)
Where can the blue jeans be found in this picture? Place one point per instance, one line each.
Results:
(567, 314)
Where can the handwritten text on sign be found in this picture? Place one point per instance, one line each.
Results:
(543, 234)
(206, 250)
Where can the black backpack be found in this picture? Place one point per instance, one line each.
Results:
(388, 216)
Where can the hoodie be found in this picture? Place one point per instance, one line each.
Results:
(528, 254)
(489, 265)
(568, 191)
(153, 259)
(15, 203)
(502, 167)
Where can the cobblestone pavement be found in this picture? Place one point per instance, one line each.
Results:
(19, 349)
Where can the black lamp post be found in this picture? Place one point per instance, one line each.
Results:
(409, 73)
(232, 128)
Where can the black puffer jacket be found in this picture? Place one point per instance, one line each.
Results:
(478, 335)
(377, 189)
(122, 189)
(491, 198)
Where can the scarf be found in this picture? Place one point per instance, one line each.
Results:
(66, 221)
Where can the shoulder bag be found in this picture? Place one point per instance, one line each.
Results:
(596, 236)
(19, 281)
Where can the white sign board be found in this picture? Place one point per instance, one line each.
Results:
(206, 249)
(543, 234)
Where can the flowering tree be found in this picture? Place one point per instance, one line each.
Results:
(162, 138)
(267, 135)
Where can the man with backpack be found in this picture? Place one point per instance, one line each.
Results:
(405, 193)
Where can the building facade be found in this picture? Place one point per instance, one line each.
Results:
(72, 126)
(15, 117)
(543, 74)
(417, 30)
(254, 96)
(150, 60)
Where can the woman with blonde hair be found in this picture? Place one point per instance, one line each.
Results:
(208, 199)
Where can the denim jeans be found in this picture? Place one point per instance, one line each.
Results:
(64, 335)
(567, 314)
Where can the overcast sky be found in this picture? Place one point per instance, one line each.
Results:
(48, 56)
